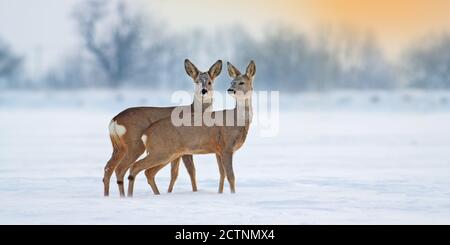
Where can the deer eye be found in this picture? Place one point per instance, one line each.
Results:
(241, 83)
(209, 83)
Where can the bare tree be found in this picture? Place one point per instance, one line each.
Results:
(368, 68)
(10, 66)
(428, 63)
(116, 48)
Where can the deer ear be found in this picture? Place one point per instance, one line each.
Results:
(233, 71)
(251, 69)
(215, 69)
(190, 68)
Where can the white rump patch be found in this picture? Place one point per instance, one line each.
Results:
(144, 139)
(111, 128)
(120, 130)
(142, 156)
(116, 129)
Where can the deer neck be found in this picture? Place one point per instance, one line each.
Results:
(244, 111)
(201, 104)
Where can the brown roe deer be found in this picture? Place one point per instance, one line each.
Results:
(127, 127)
(166, 142)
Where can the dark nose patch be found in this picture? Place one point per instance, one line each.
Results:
(231, 90)
(204, 91)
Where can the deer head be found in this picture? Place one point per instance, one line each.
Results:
(204, 81)
(242, 84)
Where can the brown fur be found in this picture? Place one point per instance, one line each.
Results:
(128, 147)
(166, 142)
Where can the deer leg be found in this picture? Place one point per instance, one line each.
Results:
(174, 168)
(150, 161)
(130, 157)
(227, 160)
(221, 171)
(115, 159)
(189, 164)
(150, 174)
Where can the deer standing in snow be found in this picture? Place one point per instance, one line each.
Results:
(166, 142)
(127, 128)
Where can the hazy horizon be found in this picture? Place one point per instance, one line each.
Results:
(44, 31)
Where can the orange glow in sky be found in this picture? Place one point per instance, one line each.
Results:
(396, 22)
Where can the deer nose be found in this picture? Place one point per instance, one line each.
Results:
(204, 91)
(230, 90)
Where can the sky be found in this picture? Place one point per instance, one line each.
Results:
(395, 22)
(43, 31)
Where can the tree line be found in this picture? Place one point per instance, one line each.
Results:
(123, 48)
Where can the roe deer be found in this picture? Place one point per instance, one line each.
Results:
(127, 127)
(166, 142)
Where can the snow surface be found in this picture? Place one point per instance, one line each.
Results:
(330, 164)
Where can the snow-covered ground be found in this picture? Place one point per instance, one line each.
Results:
(343, 159)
